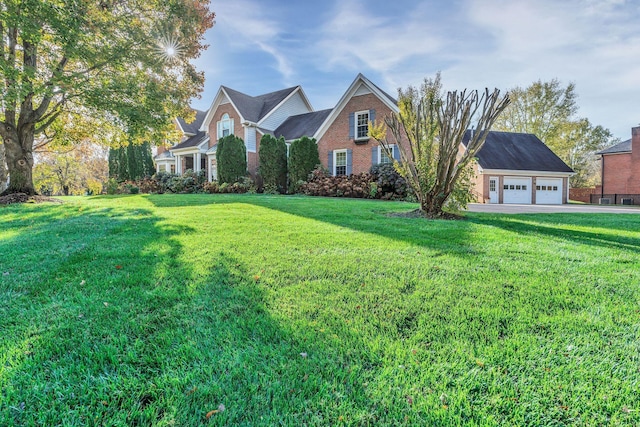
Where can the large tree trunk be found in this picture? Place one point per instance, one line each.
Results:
(3, 169)
(19, 158)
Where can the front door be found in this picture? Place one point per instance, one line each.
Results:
(493, 190)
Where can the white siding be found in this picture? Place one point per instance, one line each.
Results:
(362, 90)
(293, 106)
(250, 139)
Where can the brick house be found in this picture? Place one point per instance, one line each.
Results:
(511, 168)
(620, 169)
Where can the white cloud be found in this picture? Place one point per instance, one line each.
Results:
(246, 23)
(355, 38)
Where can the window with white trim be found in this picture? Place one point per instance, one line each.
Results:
(340, 162)
(361, 123)
(224, 126)
(382, 154)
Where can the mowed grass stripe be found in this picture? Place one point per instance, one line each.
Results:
(156, 310)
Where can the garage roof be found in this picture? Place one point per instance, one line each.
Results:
(622, 147)
(517, 151)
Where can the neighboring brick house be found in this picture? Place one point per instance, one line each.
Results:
(519, 168)
(620, 168)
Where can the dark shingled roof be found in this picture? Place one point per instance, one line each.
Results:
(194, 141)
(192, 127)
(254, 108)
(301, 125)
(517, 151)
(623, 147)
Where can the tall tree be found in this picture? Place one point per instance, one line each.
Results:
(429, 129)
(549, 111)
(3, 169)
(131, 162)
(126, 63)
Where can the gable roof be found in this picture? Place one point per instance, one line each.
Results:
(250, 108)
(192, 128)
(193, 141)
(622, 147)
(360, 79)
(517, 151)
(253, 108)
(301, 125)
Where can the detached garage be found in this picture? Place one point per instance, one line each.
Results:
(518, 168)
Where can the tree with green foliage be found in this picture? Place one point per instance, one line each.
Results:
(79, 169)
(428, 130)
(131, 162)
(273, 164)
(303, 159)
(549, 111)
(125, 64)
(231, 157)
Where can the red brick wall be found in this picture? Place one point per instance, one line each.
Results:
(238, 130)
(583, 194)
(622, 171)
(617, 171)
(337, 136)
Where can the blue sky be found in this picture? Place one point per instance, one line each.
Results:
(261, 46)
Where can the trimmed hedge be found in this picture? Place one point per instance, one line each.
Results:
(303, 159)
(231, 156)
(273, 164)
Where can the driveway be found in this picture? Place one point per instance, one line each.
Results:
(516, 209)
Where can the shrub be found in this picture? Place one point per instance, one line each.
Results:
(133, 189)
(112, 186)
(321, 183)
(383, 182)
(245, 185)
(231, 156)
(303, 159)
(273, 164)
(389, 183)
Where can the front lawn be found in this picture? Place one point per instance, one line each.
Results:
(266, 310)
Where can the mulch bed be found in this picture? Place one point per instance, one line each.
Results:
(25, 198)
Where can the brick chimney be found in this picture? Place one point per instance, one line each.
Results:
(635, 145)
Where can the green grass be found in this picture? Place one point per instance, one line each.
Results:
(155, 310)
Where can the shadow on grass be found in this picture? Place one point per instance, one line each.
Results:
(561, 226)
(367, 216)
(105, 321)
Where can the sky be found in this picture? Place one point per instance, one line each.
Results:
(260, 46)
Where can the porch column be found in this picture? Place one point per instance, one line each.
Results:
(196, 161)
(178, 164)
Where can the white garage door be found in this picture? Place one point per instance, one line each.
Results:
(517, 190)
(549, 191)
